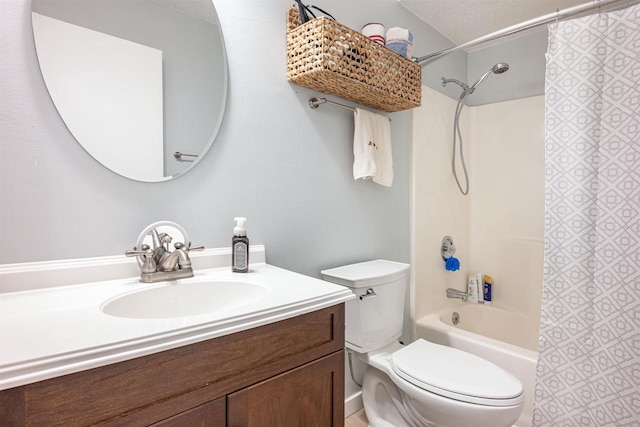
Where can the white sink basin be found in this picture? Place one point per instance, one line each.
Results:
(184, 299)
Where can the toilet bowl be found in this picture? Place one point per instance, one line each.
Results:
(433, 385)
(420, 384)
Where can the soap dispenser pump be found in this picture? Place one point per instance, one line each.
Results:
(240, 247)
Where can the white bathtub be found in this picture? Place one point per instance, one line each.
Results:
(505, 338)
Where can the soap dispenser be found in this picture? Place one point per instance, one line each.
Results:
(240, 247)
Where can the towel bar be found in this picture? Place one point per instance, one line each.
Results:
(316, 102)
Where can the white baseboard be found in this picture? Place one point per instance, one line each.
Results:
(352, 404)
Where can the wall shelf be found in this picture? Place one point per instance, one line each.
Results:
(324, 55)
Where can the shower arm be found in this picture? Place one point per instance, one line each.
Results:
(600, 5)
(464, 86)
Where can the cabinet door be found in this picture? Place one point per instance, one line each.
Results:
(210, 414)
(311, 395)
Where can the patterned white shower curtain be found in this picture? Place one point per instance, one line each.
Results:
(588, 371)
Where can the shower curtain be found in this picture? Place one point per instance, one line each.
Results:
(588, 372)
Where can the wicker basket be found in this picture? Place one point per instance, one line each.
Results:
(326, 56)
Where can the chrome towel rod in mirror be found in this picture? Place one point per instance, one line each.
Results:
(178, 155)
(316, 102)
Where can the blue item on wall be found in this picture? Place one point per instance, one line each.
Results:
(452, 264)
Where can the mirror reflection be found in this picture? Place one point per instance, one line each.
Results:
(135, 81)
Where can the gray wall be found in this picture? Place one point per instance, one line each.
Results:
(284, 166)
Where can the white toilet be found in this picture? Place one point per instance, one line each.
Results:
(420, 384)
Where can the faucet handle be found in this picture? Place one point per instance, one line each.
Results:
(190, 248)
(134, 252)
(149, 263)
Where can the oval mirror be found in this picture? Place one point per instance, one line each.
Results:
(140, 84)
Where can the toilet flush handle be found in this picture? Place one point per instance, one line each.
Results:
(370, 294)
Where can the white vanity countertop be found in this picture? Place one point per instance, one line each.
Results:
(49, 332)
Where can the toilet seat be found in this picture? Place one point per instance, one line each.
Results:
(456, 374)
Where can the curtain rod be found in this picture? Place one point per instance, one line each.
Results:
(601, 5)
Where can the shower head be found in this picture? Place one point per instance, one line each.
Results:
(499, 68)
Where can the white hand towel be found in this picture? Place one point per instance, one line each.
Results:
(372, 148)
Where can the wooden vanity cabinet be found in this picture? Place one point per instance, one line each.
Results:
(210, 414)
(287, 373)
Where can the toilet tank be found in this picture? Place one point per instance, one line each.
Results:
(374, 318)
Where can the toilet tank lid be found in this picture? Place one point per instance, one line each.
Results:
(367, 273)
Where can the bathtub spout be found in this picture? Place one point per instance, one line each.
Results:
(454, 293)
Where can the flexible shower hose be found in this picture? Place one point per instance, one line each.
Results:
(456, 132)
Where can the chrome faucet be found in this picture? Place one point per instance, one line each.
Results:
(159, 263)
(454, 293)
(179, 257)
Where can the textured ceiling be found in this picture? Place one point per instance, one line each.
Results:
(465, 20)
